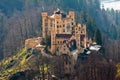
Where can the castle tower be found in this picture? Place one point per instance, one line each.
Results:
(44, 24)
(83, 35)
(78, 44)
(57, 17)
(53, 40)
(80, 34)
(72, 16)
(77, 36)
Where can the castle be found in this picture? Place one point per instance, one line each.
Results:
(68, 39)
(63, 30)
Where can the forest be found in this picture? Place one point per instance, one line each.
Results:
(21, 19)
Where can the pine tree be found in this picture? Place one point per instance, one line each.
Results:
(98, 37)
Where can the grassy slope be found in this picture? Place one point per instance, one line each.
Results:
(118, 70)
(16, 63)
(13, 64)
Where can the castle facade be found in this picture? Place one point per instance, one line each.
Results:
(63, 30)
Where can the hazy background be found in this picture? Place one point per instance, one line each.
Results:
(115, 4)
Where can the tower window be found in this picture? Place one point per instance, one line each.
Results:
(72, 23)
(57, 26)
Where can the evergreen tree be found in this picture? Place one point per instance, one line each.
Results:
(98, 37)
(91, 27)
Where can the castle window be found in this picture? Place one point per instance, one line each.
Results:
(66, 62)
(63, 30)
(57, 26)
(72, 23)
(58, 42)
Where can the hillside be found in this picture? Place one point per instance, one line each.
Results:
(12, 65)
(21, 19)
(24, 64)
(24, 21)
